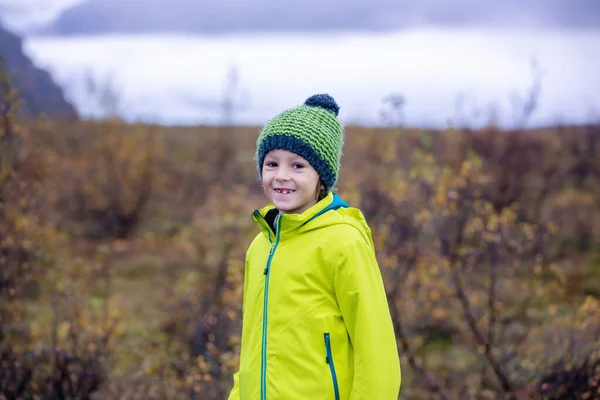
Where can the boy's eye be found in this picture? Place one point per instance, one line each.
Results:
(271, 164)
(297, 166)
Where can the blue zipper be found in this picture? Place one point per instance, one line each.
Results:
(267, 270)
(329, 360)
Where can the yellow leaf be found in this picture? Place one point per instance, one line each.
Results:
(63, 329)
(438, 313)
(441, 198)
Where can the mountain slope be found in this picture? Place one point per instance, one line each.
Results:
(39, 93)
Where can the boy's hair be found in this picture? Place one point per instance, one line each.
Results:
(311, 130)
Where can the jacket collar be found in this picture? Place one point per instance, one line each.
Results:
(287, 223)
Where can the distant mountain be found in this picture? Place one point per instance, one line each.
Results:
(39, 93)
(228, 16)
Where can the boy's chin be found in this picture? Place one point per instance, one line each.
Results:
(285, 206)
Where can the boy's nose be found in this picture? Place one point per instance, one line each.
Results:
(282, 175)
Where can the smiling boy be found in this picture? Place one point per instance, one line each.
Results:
(315, 323)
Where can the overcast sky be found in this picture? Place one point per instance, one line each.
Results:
(28, 15)
(431, 65)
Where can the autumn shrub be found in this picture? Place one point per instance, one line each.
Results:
(568, 381)
(200, 159)
(21, 173)
(569, 367)
(201, 318)
(104, 180)
(533, 169)
(204, 319)
(72, 372)
(452, 249)
(63, 342)
(64, 362)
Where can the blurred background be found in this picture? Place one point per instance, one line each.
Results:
(173, 61)
(127, 180)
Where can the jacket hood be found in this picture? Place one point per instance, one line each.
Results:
(331, 210)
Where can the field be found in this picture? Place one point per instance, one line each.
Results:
(122, 252)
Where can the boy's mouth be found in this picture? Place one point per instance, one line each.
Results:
(284, 191)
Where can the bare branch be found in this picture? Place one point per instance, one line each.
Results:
(495, 259)
(477, 334)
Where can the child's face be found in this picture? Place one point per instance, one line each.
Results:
(289, 181)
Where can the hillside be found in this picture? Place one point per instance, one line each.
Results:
(39, 93)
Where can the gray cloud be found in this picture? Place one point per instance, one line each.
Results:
(216, 16)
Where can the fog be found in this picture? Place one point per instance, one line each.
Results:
(446, 75)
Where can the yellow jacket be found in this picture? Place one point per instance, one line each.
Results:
(316, 323)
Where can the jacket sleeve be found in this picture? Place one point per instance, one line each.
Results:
(363, 303)
(235, 391)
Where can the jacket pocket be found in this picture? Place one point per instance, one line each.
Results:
(329, 359)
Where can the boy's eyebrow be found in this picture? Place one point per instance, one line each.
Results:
(294, 158)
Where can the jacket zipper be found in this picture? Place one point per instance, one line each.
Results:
(329, 359)
(267, 270)
(264, 224)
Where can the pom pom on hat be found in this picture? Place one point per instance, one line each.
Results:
(324, 101)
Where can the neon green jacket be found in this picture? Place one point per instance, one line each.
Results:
(316, 323)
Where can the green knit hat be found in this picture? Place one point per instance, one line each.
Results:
(312, 131)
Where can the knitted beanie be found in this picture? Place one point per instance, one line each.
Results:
(311, 130)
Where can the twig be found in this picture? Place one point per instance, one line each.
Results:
(479, 337)
(493, 278)
(492, 294)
